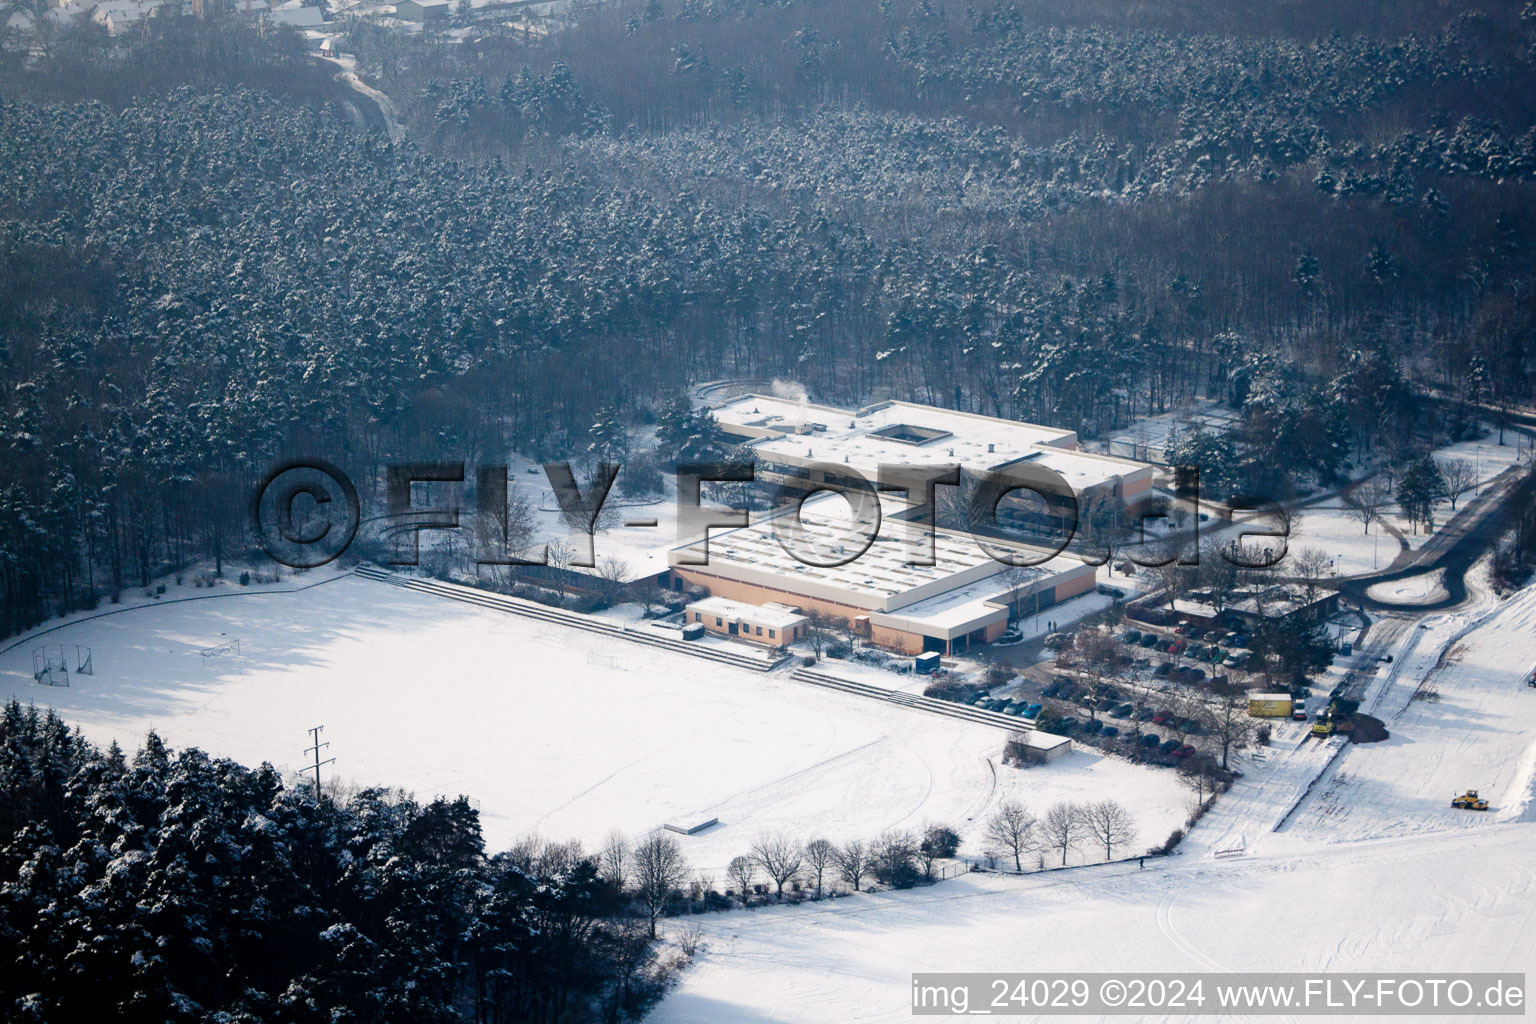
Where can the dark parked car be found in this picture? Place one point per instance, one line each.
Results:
(1131, 636)
(1163, 668)
(1169, 746)
(1109, 732)
(1092, 726)
(1144, 715)
(1149, 640)
(1122, 711)
(1150, 740)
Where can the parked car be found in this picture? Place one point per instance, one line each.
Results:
(1033, 711)
(1013, 710)
(1144, 715)
(1131, 636)
(1182, 629)
(1161, 717)
(1149, 640)
(1198, 674)
(1122, 711)
(1150, 740)
(1092, 726)
(1169, 746)
(1163, 668)
(1185, 751)
(1109, 732)
(1190, 726)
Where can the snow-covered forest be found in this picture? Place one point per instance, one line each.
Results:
(1059, 215)
(165, 885)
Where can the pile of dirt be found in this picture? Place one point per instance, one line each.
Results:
(1369, 730)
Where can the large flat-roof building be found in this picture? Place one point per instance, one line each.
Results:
(962, 599)
(800, 444)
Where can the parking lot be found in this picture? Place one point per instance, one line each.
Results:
(1149, 699)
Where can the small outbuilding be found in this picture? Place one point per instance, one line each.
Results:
(774, 625)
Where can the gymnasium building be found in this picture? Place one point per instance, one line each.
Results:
(963, 599)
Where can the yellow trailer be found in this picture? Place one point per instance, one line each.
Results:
(1269, 705)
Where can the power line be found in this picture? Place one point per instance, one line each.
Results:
(318, 746)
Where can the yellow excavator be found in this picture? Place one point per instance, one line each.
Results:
(1469, 801)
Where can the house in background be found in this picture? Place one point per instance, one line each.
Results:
(425, 12)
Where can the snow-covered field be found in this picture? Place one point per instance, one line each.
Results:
(1464, 901)
(549, 728)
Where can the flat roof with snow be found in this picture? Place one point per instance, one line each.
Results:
(797, 433)
(880, 579)
(777, 616)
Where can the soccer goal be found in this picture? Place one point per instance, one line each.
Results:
(230, 648)
(49, 666)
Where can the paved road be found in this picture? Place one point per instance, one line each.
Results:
(1465, 539)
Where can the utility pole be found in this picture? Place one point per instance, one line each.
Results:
(318, 746)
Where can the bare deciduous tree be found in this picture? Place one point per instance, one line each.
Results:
(1460, 477)
(1012, 830)
(819, 630)
(1226, 720)
(1367, 500)
(820, 857)
(853, 862)
(1063, 827)
(1110, 824)
(1310, 567)
(892, 854)
(741, 872)
(779, 857)
(659, 868)
(613, 862)
(614, 574)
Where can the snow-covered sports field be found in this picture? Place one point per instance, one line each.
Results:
(548, 728)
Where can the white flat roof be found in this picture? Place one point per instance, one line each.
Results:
(777, 616)
(943, 436)
(879, 579)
